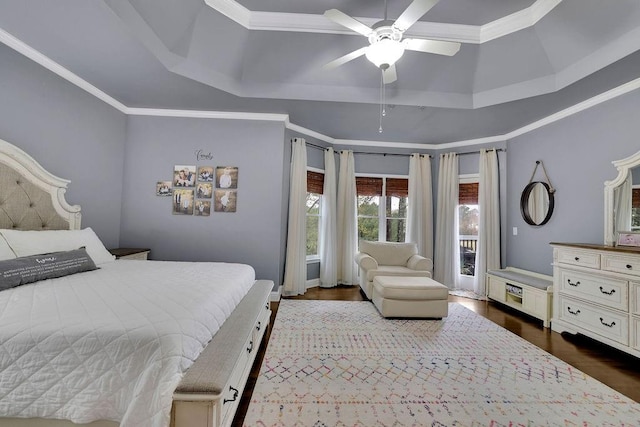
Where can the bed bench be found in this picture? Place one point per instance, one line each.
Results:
(210, 390)
(526, 291)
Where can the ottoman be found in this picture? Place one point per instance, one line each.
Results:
(419, 297)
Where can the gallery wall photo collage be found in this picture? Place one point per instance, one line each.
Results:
(195, 190)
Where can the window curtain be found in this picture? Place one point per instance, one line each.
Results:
(347, 220)
(420, 205)
(447, 248)
(488, 245)
(623, 204)
(328, 224)
(295, 274)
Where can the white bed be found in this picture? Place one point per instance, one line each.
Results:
(114, 344)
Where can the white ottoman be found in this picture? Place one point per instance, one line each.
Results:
(397, 296)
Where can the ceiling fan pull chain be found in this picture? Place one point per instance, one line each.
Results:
(382, 110)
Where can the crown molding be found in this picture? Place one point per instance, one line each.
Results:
(56, 68)
(310, 23)
(203, 114)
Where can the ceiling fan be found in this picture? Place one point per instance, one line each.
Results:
(386, 44)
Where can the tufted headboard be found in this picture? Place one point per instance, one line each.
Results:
(30, 197)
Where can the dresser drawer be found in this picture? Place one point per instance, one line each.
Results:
(578, 257)
(634, 291)
(607, 323)
(611, 292)
(635, 333)
(621, 264)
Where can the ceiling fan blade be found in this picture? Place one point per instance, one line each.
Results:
(346, 58)
(346, 21)
(432, 46)
(414, 12)
(389, 75)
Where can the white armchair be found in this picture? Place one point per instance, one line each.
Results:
(389, 259)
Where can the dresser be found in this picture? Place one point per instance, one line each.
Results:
(597, 293)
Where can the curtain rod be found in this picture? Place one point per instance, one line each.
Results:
(320, 147)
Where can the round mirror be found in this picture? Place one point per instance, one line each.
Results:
(536, 203)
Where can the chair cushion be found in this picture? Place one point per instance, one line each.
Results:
(394, 270)
(389, 253)
(409, 288)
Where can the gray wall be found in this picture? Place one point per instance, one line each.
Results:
(113, 162)
(252, 235)
(577, 152)
(70, 133)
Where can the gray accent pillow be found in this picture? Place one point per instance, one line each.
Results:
(33, 268)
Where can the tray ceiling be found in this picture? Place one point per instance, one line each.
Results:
(520, 60)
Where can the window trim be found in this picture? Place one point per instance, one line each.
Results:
(382, 206)
(466, 281)
(310, 259)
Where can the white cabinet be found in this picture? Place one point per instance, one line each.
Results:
(523, 290)
(597, 293)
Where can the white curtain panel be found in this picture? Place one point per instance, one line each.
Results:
(295, 273)
(328, 224)
(347, 220)
(447, 249)
(622, 197)
(488, 245)
(420, 205)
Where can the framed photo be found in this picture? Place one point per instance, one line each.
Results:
(183, 202)
(204, 190)
(163, 188)
(227, 177)
(225, 200)
(184, 176)
(628, 238)
(203, 208)
(205, 173)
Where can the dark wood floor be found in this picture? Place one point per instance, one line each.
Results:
(612, 367)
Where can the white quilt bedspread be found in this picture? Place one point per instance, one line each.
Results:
(113, 343)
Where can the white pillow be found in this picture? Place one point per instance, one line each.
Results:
(5, 250)
(26, 243)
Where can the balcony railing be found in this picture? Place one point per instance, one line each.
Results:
(468, 246)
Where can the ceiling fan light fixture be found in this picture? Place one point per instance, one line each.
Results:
(384, 53)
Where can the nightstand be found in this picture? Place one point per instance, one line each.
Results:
(130, 253)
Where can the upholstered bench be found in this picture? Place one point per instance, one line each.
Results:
(397, 296)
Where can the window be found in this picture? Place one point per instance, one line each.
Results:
(468, 224)
(635, 209)
(315, 183)
(382, 208)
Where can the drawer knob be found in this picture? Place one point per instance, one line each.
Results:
(608, 325)
(574, 284)
(259, 325)
(611, 292)
(250, 348)
(575, 313)
(629, 266)
(577, 258)
(234, 397)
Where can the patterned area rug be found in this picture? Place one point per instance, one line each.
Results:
(339, 363)
(467, 294)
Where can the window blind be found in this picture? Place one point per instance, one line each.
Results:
(368, 186)
(398, 187)
(468, 194)
(315, 182)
